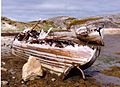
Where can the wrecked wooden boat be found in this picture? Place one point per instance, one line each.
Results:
(58, 54)
(90, 35)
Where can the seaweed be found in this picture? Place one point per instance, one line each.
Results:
(112, 71)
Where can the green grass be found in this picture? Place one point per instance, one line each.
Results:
(82, 21)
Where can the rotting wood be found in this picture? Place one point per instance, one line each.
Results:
(58, 53)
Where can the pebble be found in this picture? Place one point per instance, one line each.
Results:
(3, 63)
(53, 79)
(4, 82)
(12, 71)
(3, 69)
(13, 77)
(76, 84)
(22, 82)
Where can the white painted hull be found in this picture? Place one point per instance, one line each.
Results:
(55, 59)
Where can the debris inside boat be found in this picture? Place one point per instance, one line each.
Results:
(60, 51)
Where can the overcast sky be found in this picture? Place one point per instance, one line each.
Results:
(27, 10)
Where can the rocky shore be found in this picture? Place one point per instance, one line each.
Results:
(103, 73)
(12, 69)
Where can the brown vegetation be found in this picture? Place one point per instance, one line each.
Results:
(112, 71)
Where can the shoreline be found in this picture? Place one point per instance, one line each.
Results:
(107, 31)
(94, 74)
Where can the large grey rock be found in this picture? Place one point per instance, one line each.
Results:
(31, 69)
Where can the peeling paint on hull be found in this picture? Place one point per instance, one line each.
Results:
(56, 60)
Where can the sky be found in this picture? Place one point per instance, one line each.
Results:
(30, 10)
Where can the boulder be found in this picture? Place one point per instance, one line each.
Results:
(31, 69)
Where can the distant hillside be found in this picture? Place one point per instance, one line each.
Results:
(9, 25)
(60, 22)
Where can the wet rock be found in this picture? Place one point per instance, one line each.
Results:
(32, 69)
(4, 82)
(3, 69)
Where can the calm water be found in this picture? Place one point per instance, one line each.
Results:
(28, 10)
(107, 59)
